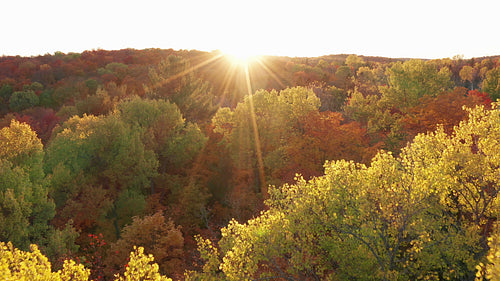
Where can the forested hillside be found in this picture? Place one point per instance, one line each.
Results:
(330, 168)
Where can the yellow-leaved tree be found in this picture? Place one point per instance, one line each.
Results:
(423, 215)
(16, 264)
(141, 268)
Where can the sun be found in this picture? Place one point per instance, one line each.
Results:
(241, 55)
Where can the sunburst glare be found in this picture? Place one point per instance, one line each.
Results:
(243, 72)
(241, 56)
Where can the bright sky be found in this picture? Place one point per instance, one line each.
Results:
(391, 28)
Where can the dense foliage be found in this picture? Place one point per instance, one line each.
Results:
(16, 264)
(425, 214)
(332, 168)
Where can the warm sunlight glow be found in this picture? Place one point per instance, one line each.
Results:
(241, 56)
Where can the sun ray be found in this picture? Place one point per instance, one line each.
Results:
(238, 74)
(260, 162)
(228, 77)
(270, 72)
(187, 71)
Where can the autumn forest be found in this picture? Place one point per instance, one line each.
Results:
(159, 164)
